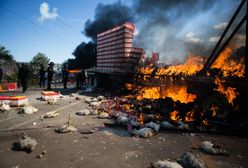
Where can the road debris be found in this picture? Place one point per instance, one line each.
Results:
(67, 127)
(189, 160)
(52, 101)
(143, 132)
(50, 114)
(4, 107)
(165, 164)
(26, 143)
(84, 112)
(213, 149)
(28, 110)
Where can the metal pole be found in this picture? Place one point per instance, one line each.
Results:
(227, 41)
(222, 36)
(246, 46)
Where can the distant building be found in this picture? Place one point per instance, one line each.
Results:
(114, 49)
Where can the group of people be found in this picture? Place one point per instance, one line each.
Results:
(24, 73)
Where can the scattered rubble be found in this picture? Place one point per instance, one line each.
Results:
(52, 101)
(4, 107)
(166, 164)
(213, 149)
(84, 112)
(26, 143)
(67, 127)
(28, 110)
(39, 156)
(143, 132)
(189, 160)
(101, 98)
(50, 114)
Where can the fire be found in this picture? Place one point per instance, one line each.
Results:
(228, 66)
(190, 116)
(213, 109)
(176, 92)
(192, 65)
(141, 119)
(229, 92)
(175, 116)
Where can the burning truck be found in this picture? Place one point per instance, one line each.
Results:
(202, 93)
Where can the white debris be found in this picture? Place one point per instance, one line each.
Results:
(189, 160)
(52, 101)
(153, 125)
(95, 105)
(183, 126)
(50, 114)
(144, 132)
(103, 115)
(66, 128)
(166, 124)
(28, 110)
(73, 95)
(27, 143)
(213, 149)
(166, 164)
(4, 107)
(79, 97)
(122, 119)
(61, 96)
(100, 98)
(88, 100)
(84, 112)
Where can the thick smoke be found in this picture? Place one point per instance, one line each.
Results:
(178, 28)
(106, 17)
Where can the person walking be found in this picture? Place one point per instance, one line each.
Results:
(65, 74)
(50, 72)
(42, 73)
(23, 77)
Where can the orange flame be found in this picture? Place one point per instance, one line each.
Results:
(213, 109)
(141, 119)
(229, 92)
(190, 116)
(228, 66)
(175, 116)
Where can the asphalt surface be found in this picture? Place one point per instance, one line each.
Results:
(107, 147)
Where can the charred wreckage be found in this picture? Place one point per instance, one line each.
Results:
(199, 95)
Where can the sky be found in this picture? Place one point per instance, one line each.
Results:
(52, 27)
(174, 28)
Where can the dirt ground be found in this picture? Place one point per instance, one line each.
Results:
(107, 147)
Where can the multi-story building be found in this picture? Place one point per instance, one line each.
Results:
(114, 49)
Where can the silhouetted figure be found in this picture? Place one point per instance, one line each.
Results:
(42, 73)
(50, 73)
(23, 77)
(80, 79)
(65, 74)
(1, 74)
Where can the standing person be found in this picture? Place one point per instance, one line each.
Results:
(50, 73)
(65, 73)
(42, 76)
(1, 73)
(23, 77)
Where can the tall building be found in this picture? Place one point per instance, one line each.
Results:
(114, 49)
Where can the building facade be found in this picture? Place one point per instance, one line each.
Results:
(115, 52)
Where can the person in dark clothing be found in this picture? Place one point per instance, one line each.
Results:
(1, 74)
(23, 77)
(80, 79)
(65, 74)
(50, 73)
(42, 73)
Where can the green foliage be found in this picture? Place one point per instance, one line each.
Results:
(38, 60)
(5, 54)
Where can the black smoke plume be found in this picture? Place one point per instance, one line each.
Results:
(106, 17)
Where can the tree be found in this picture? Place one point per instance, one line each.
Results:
(5, 54)
(38, 60)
